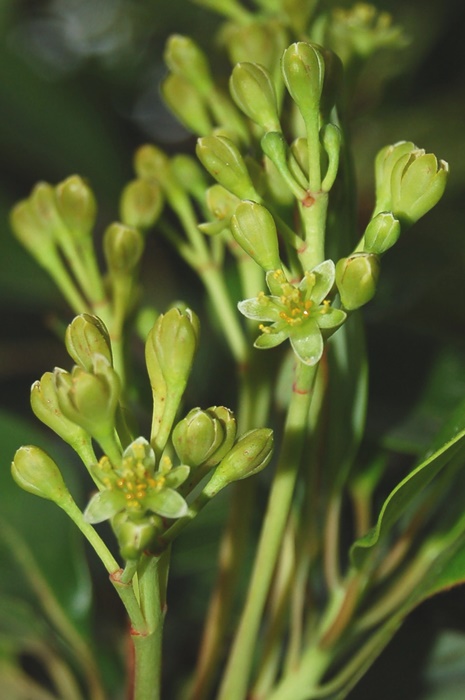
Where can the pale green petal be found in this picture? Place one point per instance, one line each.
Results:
(324, 273)
(266, 308)
(104, 505)
(271, 340)
(167, 503)
(307, 344)
(140, 450)
(177, 476)
(330, 318)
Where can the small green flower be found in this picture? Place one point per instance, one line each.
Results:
(300, 312)
(136, 488)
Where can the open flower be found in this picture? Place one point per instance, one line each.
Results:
(300, 312)
(136, 488)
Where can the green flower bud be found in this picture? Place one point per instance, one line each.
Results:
(87, 336)
(187, 104)
(418, 182)
(227, 420)
(141, 203)
(183, 57)
(252, 90)
(251, 453)
(44, 207)
(381, 233)
(150, 163)
(133, 537)
(36, 472)
(258, 41)
(31, 234)
(76, 205)
(331, 138)
(384, 165)
(172, 344)
(169, 354)
(299, 154)
(197, 436)
(90, 399)
(254, 229)
(221, 157)
(303, 70)
(44, 403)
(123, 247)
(189, 175)
(356, 279)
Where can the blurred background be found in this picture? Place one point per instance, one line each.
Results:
(79, 91)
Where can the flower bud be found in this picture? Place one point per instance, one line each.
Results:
(150, 163)
(252, 90)
(123, 247)
(76, 205)
(87, 336)
(141, 203)
(189, 175)
(304, 71)
(251, 453)
(331, 138)
(221, 157)
(172, 344)
(44, 207)
(187, 104)
(254, 229)
(381, 233)
(44, 403)
(133, 537)
(36, 472)
(258, 41)
(169, 354)
(183, 57)
(31, 234)
(90, 399)
(197, 437)
(418, 182)
(356, 279)
(384, 165)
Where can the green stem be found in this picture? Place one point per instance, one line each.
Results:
(63, 281)
(313, 214)
(235, 680)
(147, 642)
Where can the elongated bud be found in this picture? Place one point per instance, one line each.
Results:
(189, 175)
(44, 207)
(31, 234)
(356, 279)
(76, 205)
(187, 104)
(252, 90)
(169, 354)
(251, 453)
(184, 57)
(123, 247)
(254, 229)
(382, 233)
(90, 399)
(141, 204)
(86, 337)
(173, 342)
(36, 472)
(331, 138)
(384, 165)
(150, 162)
(221, 157)
(304, 71)
(197, 436)
(418, 182)
(44, 403)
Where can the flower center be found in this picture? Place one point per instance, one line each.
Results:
(298, 309)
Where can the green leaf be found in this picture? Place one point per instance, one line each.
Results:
(444, 448)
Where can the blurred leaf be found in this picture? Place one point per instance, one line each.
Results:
(445, 669)
(51, 538)
(444, 448)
